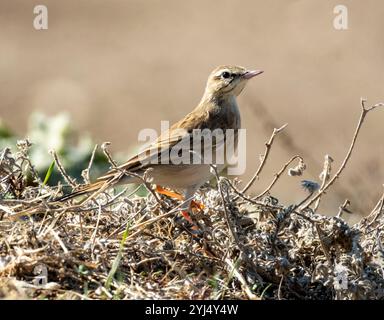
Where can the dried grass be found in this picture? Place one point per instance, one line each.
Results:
(120, 246)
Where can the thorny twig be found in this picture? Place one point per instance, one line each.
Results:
(229, 224)
(323, 245)
(66, 177)
(379, 205)
(279, 289)
(250, 200)
(105, 149)
(324, 176)
(376, 212)
(364, 112)
(85, 172)
(239, 276)
(231, 228)
(277, 176)
(268, 146)
(93, 237)
(344, 208)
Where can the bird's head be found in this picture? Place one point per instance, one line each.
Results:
(229, 80)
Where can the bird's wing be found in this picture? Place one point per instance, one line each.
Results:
(179, 134)
(162, 145)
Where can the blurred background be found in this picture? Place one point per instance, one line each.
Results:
(115, 67)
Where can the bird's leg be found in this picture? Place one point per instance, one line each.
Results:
(186, 209)
(194, 204)
(195, 231)
(169, 193)
(187, 217)
(188, 206)
(197, 205)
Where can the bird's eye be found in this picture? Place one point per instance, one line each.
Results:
(225, 75)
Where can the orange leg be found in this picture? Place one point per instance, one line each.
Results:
(187, 216)
(194, 229)
(175, 195)
(197, 205)
(193, 226)
(169, 193)
(178, 196)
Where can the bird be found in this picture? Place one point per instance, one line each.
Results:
(217, 109)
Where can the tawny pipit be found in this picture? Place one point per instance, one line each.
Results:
(217, 109)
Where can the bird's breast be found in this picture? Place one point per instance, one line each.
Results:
(227, 114)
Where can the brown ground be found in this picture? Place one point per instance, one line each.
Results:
(120, 66)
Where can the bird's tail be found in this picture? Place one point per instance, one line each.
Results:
(93, 187)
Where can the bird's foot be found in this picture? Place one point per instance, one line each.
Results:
(197, 205)
(186, 216)
(192, 225)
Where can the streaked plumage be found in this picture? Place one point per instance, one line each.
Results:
(217, 109)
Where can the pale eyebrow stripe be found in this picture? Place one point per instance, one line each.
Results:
(221, 72)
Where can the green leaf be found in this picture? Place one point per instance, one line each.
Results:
(264, 291)
(49, 173)
(116, 262)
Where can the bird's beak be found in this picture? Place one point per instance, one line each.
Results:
(251, 73)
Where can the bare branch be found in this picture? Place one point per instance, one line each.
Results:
(376, 212)
(277, 176)
(85, 172)
(343, 208)
(104, 147)
(65, 175)
(364, 112)
(324, 176)
(239, 276)
(231, 228)
(268, 146)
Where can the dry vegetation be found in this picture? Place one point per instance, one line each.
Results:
(120, 246)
